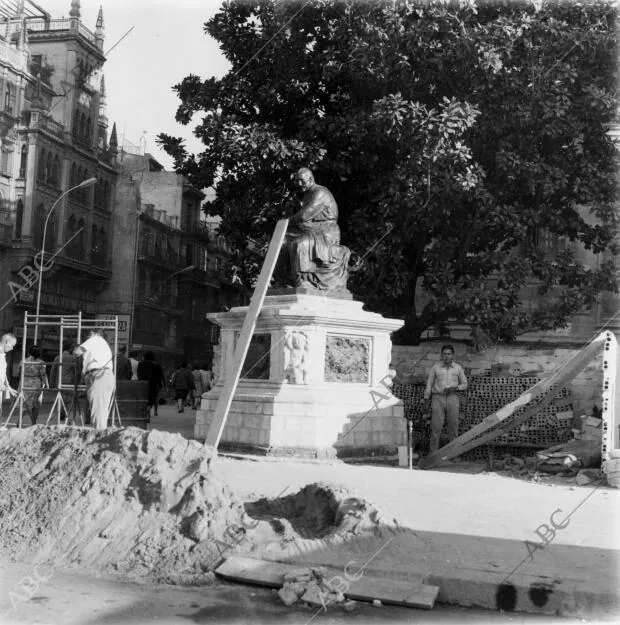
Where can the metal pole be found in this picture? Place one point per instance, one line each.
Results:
(21, 372)
(84, 183)
(410, 442)
(61, 336)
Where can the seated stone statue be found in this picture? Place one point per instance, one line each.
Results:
(312, 256)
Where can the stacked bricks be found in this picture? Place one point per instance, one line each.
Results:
(413, 364)
(550, 426)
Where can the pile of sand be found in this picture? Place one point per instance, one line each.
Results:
(149, 504)
(119, 501)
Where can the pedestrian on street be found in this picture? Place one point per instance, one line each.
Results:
(445, 379)
(66, 380)
(152, 372)
(206, 377)
(34, 381)
(133, 359)
(198, 388)
(7, 343)
(123, 364)
(182, 383)
(98, 376)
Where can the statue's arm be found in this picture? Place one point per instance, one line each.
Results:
(311, 207)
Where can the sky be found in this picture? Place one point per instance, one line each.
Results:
(166, 44)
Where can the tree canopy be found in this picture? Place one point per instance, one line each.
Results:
(475, 130)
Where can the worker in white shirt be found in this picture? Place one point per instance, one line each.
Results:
(98, 375)
(7, 343)
(444, 380)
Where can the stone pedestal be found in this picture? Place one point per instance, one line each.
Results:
(315, 378)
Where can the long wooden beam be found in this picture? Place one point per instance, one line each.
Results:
(249, 324)
(476, 436)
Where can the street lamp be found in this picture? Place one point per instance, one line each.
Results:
(85, 183)
(154, 299)
(184, 270)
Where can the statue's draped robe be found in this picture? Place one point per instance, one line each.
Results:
(313, 248)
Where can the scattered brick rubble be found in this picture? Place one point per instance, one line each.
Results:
(311, 586)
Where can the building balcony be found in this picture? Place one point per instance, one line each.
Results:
(166, 301)
(164, 257)
(48, 124)
(42, 26)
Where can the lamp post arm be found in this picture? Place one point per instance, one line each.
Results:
(84, 183)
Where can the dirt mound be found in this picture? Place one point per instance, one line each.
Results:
(125, 501)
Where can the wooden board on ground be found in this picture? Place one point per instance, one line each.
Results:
(410, 593)
(393, 592)
(247, 329)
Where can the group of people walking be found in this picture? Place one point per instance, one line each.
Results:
(189, 383)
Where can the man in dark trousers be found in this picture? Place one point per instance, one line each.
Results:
(445, 379)
(182, 383)
(152, 372)
(123, 364)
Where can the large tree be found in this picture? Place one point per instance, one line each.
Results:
(471, 129)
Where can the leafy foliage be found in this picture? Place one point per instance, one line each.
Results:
(476, 129)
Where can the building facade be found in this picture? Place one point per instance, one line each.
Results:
(168, 267)
(57, 140)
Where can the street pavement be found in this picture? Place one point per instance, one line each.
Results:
(487, 540)
(168, 419)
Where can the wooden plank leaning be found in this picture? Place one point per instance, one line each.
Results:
(230, 385)
(476, 436)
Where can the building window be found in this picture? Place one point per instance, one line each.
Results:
(39, 219)
(48, 168)
(50, 235)
(98, 192)
(41, 167)
(6, 160)
(55, 177)
(103, 238)
(19, 219)
(22, 161)
(81, 239)
(9, 98)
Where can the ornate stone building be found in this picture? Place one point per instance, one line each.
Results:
(58, 137)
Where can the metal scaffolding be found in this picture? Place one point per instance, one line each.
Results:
(67, 325)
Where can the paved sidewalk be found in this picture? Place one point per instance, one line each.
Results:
(465, 533)
(473, 535)
(170, 420)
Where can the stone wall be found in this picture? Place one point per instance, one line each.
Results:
(413, 363)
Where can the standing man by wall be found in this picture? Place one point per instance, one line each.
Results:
(444, 380)
(98, 376)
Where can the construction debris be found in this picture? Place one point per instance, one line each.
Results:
(319, 586)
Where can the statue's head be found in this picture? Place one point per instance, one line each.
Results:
(304, 179)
